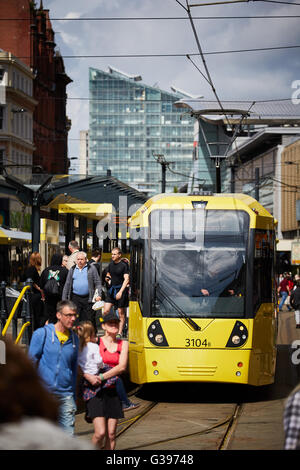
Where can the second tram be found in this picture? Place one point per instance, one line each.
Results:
(203, 297)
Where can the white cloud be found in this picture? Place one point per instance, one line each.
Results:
(71, 15)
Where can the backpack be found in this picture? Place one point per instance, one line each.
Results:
(51, 286)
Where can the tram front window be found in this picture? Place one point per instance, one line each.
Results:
(201, 272)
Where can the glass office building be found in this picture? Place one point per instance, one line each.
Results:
(130, 123)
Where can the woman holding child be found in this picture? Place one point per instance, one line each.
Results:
(103, 405)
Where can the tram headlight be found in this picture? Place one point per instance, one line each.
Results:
(236, 339)
(238, 336)
(159, 339)
(156, 335)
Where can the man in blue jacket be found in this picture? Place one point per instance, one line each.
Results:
(55, 348)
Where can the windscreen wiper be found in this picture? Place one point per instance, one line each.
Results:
(180, 313)
(159, 291)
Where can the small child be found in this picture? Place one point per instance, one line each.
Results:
(89, 358)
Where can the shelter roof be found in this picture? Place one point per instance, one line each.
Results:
(263, 140)
(93, 189)
(261, 112)
(61, 189)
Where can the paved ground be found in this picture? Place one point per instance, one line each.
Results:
(259, 426)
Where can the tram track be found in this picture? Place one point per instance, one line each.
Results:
(229, 422)
(131, 421)
(231, 427)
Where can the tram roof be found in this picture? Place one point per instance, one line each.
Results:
(217, 200)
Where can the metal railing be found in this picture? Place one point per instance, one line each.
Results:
(7, 319)
(22, 332)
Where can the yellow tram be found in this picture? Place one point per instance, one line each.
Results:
(203, 296)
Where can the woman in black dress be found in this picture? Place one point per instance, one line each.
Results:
(105, 408)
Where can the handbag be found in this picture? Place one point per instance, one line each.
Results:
(96, 294)
(98, 305)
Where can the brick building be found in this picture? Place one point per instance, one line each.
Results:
(27, 33)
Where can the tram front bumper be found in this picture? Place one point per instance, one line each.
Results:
(242, 366)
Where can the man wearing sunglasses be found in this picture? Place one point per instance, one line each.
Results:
(55, 350)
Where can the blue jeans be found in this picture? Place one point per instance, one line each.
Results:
(284, 296)
(122, 392)
(67, 410)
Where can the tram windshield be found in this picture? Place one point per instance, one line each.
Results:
(198, 262)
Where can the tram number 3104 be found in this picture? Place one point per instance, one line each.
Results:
(196, 343)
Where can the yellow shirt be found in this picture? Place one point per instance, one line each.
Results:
(63, 337)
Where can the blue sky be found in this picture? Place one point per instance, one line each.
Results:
(236, 76)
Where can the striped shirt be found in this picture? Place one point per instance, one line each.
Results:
(291, 422)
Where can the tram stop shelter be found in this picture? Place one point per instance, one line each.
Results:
(102, 199)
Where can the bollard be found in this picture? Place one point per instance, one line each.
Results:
(14, 285)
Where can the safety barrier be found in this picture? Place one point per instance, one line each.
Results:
(26, 314)
(22, 332)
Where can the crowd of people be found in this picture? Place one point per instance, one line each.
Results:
(65, 345)
(83, 281)
(289, 294)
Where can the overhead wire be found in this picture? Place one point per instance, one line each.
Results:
(208, 77)
(182, 54)
(82, 98)
(209, 80)
(278, 1)
(203, 181)
(165, 18)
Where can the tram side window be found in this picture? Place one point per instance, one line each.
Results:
(263, 269)
(133, 272)
(136, 278)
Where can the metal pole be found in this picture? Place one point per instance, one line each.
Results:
(257, 184)
(164, 164)
(232, 179)
(95, 238)
(35, 224)
(69, 231)
(218, 176)
(163, 177)
(3, 305)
